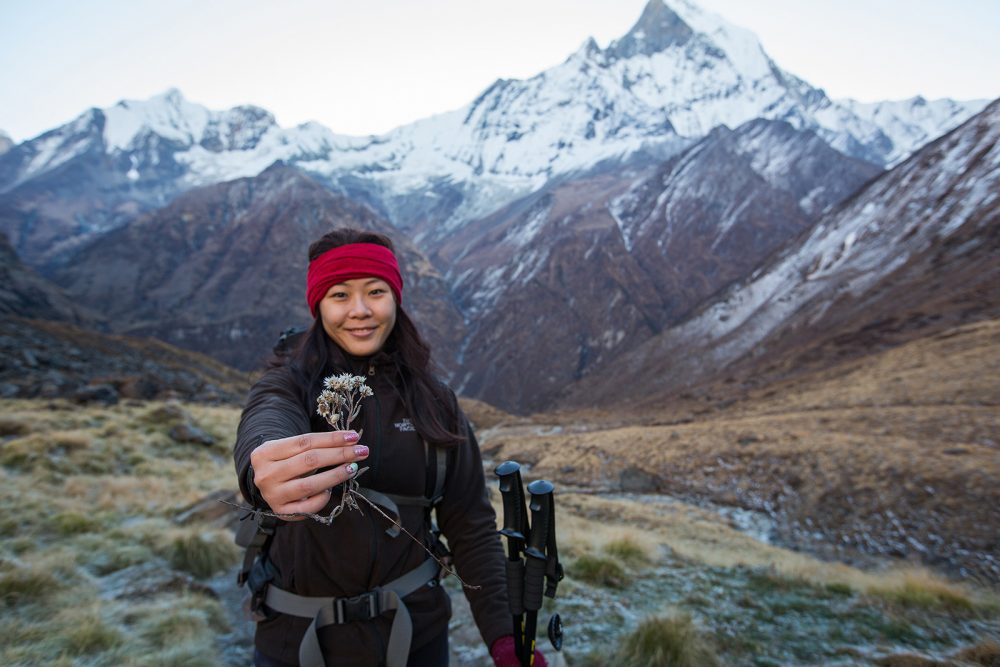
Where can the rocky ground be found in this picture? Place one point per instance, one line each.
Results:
(49, 359)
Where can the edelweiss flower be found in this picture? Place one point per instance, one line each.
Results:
(340, 401)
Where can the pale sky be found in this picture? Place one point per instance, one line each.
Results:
(367, 66)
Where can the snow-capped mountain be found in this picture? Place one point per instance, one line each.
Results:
(6, 143)
(912, 123)
(603, 262)
(653, 173)
(679, 73)
(915, 249)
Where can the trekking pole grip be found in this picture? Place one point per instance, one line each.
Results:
(515, 529)
(537, 561)
(515, 517)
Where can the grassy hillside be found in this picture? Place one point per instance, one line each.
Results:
(115, 550)
(99, 564)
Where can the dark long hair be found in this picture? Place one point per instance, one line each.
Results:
(428, 402)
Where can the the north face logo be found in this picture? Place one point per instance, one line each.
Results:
(405, 425)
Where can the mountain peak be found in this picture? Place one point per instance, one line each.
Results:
(659, 28)
(6, 143)
(172, 96)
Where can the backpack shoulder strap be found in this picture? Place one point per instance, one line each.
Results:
(437, 460)
(254, 534)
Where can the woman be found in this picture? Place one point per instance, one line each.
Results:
(290, 462)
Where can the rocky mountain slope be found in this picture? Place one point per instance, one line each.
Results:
(222, 269)
(574, 275)
(50, 348)
(913, 252)
(24, 293)
(49, 359)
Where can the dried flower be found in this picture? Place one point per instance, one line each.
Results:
(340, 401)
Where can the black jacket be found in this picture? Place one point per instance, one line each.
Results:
(354, 554)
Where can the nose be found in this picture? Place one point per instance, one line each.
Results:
(359, 307)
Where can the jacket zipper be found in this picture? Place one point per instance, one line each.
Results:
(374, 471)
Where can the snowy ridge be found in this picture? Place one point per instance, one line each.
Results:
(915, 121)
(58, 147)
(898, 216)
(679, 73)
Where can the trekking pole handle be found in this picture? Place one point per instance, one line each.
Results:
(536, 562)
(515, 529)
(515, 517)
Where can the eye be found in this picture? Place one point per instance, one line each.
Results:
(377, 291)
(338, 295)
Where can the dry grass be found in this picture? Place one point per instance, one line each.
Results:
(671, 641)
(921, 589)
(986, 653)
(599, 571)
(86, 492)
(202, 553)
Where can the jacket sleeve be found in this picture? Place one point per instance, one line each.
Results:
(275, 408)
(468, 521)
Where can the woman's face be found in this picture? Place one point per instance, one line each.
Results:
(359, 315)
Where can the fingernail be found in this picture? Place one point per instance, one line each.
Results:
(352, 469)
(361, 450)
(351, 436)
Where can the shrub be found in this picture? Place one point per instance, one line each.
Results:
(190, 621)
(176, 626)
(91, 635)
(768, 581)
(69, 440)
(13, 427)
(923, 592)
(599, 571)
(203, 554)
(839, 589)
(73, 523)
(184, 655)
(9, 526)
(627, 550)
(666, 642)
(19, 585)
(22, 453)
(986, 653)
(117, 557)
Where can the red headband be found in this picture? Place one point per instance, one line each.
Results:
(356, 260)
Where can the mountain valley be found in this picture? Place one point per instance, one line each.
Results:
(750, 332)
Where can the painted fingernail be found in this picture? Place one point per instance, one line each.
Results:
(352, 469)
(351, 436)
(361, 450)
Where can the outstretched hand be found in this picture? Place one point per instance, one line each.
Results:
(296, 474)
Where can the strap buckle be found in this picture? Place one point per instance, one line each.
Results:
(362, 607)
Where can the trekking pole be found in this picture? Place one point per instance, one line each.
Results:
(541, 565)
(515, 529)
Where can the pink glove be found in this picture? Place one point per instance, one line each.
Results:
(503, 654)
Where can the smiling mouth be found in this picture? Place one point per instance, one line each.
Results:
(362, 332)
